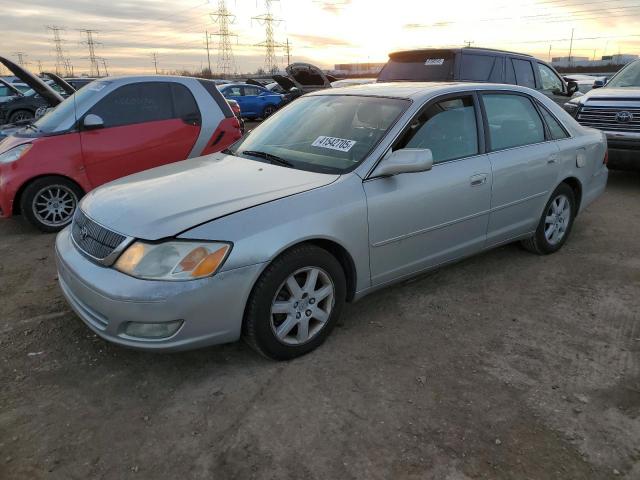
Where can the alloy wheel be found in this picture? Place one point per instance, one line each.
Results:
(54, 205)
(557, 219)
(302, 306)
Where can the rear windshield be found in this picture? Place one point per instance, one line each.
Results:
(428, 66)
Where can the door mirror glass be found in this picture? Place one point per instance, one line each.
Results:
(572, 87)
(599, 83)
(92, 122)
(406, 160)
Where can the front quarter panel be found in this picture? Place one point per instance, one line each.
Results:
(336, 212)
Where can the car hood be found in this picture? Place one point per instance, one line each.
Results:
(607, 93)
(165, 201)
(62, 83)
(45, 91)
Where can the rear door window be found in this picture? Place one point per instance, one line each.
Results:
(524, 73)
(135, 103)
(251, 91)
(448, 128)
(513, 121)
(428, 66)
(509, 74)
(184, 104)
(232, 92)
(481, 68)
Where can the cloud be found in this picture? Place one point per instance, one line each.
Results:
(333, 6)
(321, 41)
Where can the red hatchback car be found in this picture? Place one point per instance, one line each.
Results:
(111, 128)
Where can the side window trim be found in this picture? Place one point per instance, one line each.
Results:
(547, 136)
(447, 96)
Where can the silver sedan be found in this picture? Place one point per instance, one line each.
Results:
(342, 192)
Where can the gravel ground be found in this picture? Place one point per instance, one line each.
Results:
(506, 365)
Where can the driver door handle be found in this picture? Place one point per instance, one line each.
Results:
(552, 159)
(478, 179)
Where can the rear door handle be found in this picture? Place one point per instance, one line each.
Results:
(479, 179)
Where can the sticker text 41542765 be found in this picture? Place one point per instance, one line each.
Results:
(333, 143)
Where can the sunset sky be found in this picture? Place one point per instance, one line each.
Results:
(322, 32)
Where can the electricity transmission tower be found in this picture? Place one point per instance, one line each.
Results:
(93, 60)
(223, 17)
(62, 63)
(267, 19)
(104, 66)
(154, 57)
(20, 56)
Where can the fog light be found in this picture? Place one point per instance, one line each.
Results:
(152, 330)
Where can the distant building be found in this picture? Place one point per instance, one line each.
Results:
(619, 59)
(357, 69)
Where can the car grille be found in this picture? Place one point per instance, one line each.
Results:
(604, 118)
(92, 238)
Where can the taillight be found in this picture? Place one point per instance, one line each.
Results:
(605, 160)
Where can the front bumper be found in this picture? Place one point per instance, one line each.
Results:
(106, 300)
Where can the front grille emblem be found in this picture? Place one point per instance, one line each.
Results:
(624, 117)
(84, 233)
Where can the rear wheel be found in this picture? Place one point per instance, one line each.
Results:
(555, 224)
(295, 303)
(20, 115)
(268, 111)
(48, 203)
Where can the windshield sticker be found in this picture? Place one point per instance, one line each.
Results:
(434, 61)
(333, 143)
(96, 86)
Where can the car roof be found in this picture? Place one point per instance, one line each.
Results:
(416, 90)
(241, 85)
(458, 50)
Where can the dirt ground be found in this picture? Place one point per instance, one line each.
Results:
(503, 366)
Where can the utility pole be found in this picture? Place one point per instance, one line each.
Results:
(267, 19)
(549, 53)
(154, 56)
(571, 48)
(468, 43)
(206, 36)
(39, 66)
(62, 63)
(93, 60)
(223, 17)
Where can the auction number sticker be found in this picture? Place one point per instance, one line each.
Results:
(434, 61)
(333, 143)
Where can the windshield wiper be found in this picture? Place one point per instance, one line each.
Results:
(268, 156)
(31, 126)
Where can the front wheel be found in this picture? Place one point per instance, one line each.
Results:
(48, 203)
(20, 116)
(295, 303)
(555, 224)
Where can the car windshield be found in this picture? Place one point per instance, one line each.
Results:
(64, 114)
(328, 133)
(627, 77)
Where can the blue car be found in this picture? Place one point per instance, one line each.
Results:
(254, 101)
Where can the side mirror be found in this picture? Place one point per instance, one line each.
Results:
(600, 83)
(406, 160)
(572, 87)
(92, 122)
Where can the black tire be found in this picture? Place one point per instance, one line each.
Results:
(20, 115)
(257, 325)
(539, 244)
(35, 189)
(268, 111)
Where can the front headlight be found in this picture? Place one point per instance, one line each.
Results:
(173, 260)
(15, 153)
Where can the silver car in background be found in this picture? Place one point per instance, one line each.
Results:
(342, 192)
